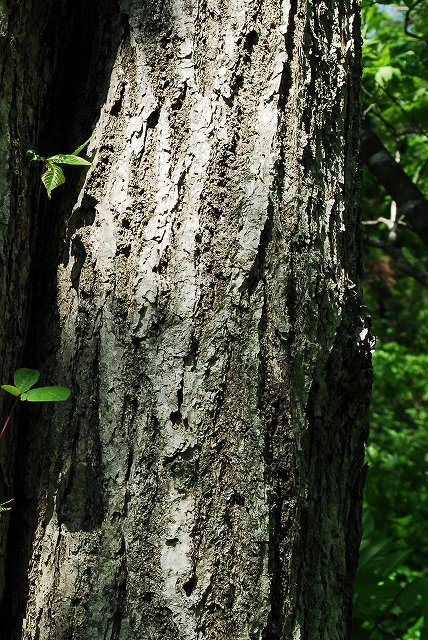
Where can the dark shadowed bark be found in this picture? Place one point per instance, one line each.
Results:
(198, 288)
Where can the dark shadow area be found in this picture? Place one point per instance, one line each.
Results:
(81, 43)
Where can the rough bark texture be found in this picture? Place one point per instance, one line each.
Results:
(198, 290)
(21, 97)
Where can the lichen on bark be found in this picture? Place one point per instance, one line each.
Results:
(199, 292)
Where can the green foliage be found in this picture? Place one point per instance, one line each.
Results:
(392, 585)
(395, 84)
(391, 590)
(398, 304)
(47, 394)
(391, 600)
(396, 489)
(26, 378)
(53, 175)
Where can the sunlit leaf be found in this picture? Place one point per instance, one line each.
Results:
(385, 74)
(82, 146)
(10, 389)
(62, 158)
(52, 178)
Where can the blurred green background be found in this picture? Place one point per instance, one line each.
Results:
(391, 592)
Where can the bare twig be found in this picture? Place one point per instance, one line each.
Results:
(410, 200)
(8, 418)
(420, 171)
(386, 221)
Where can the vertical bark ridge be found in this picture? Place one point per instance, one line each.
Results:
(204, 312)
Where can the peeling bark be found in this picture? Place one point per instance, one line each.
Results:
(198, 290)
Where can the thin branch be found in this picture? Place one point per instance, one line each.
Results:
(404, 112)
(400, 261)
(420, 171)
(410, 200)
(8, 418)
(381, 220)
(407, 23)
(378, 114)
(388, 125)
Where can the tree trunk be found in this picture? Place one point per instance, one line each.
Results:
(197, 288)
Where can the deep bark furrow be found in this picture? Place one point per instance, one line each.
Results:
(202, 478)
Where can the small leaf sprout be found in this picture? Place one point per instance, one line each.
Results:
(23, 380)
(53, 175)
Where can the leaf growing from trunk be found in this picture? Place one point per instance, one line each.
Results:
(63, 158)
(33, 156)
(82, 146)
(10, 389)
(52, 178)
(24, 379)
(47, 394)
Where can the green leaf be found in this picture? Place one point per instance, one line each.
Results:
(10, 389)
(32, 155)
(372, 551)
(385, 74)
(48, 394)
(82, 146)
(25, 378)
(52, 178)
(424, 630)
(62, 158)
(408, 599)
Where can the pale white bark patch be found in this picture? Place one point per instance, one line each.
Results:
(176, 559)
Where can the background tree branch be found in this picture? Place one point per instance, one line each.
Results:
(410, 200)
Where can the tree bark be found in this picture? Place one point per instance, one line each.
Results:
(198, 289)
(21, 97)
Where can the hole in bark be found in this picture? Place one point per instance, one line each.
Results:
(175, 417)
(171, 542)
(115, 110)
(237, 499)
(190, 585)
(251, 39)
(78, 252)
(123, 249)
(153, 119)
(179, 98)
